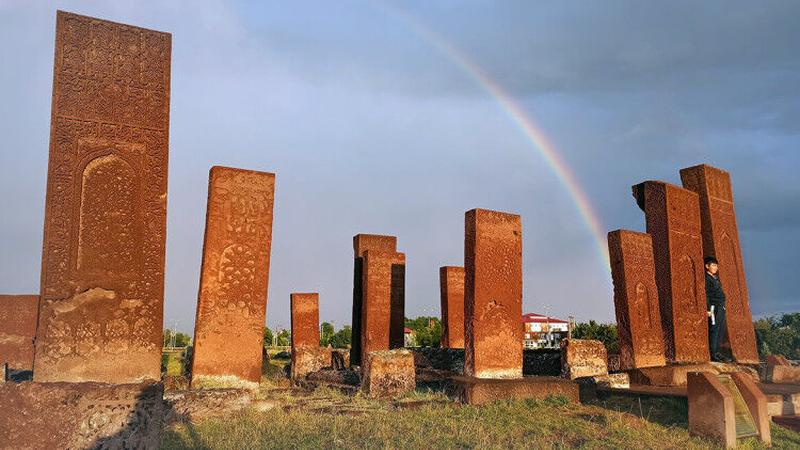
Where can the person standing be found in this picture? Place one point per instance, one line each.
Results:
(715, 299)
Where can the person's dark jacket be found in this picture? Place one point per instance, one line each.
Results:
(714, 293)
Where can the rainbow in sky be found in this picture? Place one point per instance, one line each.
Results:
(517, 113)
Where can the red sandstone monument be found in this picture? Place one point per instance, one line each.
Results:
(721, 240)
(641, 340)
(383, 287)
(493, 294)
(673, 222)
(17, 330)
(307, 355)
(232, 302)
(102, 281)
(451, 285)
(362, 243)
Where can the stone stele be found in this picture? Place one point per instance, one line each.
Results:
(583, 358)
(451, 284)
(305, 319)
(711, 409)
(721, 239)
(388, 373)
(102, 281)
(362, 243)
(492, 294)
(636, 304)
(88, 415)
(383, 290)
(232, 304)
(673, 222)
(17, 330)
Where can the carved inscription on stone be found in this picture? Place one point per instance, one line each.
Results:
(673, 222)
(721, 240)
(493, 294)
(383, 286)
(362, 243)
(451, 284)
(18, 315)
(105, 214)
(641, 340)
(232, 304)
(305, 320)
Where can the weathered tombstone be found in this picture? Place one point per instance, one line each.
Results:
(673, 222)
(451, 285)
(307, 356)
(388, 373)
(493, 294)
(636, 304)
(102, 285)
(756, 403)
(17, 330)
(232, 304)
(383, 288)
(721, 239)
(583, 358)
(362, 243)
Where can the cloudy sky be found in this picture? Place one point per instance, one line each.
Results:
(372, 126)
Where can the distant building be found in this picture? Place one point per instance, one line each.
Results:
(409, 338)
(542, 331)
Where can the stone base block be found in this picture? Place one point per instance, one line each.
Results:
(711, 409)
(782, 374)
(175, 383)
(388, 373)
(80, 415)
(481, 391)
(588, 385)
(199, 405)
(583, 358)
(675, 375)
(308, 359)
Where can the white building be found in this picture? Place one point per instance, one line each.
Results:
(543, 332)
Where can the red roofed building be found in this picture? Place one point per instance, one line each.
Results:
(542, 331)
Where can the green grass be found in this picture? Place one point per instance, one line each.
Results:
(616, 423)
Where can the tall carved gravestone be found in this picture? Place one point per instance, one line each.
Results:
(451, 285)
(383, 289)
(232, 303)
(17, 330)
(102, 286)
(721, 239)
(362, 243)
(641, 340)
(493, 294)
(673, 222)
(305, 320)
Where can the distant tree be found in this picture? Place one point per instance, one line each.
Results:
(603, 332)
(341, 339)
(181, 339)
(428, 330)
(284, 338)
(269, 338)
(325, 334)
(778, 335)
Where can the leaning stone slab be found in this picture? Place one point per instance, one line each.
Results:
(481, 391)
(777, 360)
(711, 409)
(756, 403)
(18, 315)
(721, 239)
(198, 405)
(388, 373)
(782, 374)
(63, 415)
(673, 221)
(309, 359)
(583, 358)
(232, 302)
(102, 283)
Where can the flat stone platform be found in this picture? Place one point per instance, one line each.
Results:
(675, 375)
(481, 391)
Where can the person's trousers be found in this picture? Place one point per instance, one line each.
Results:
(716, 332)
